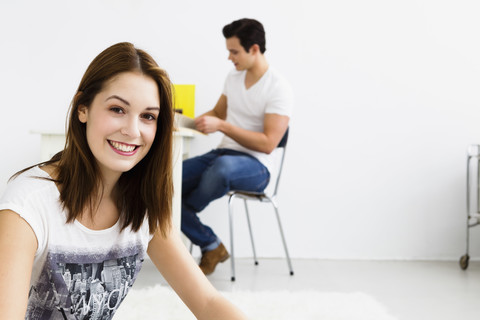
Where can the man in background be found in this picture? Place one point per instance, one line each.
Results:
(252, 112)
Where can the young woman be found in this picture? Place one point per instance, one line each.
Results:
(75, 230)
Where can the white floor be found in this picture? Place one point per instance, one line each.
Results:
(410, 290)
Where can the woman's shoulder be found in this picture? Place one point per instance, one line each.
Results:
(28, 182)
(30, 174)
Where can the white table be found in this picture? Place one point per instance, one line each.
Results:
(53, 142)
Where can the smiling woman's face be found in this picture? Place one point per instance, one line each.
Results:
(121, 122)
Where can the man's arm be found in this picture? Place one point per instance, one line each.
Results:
(219, 111)
(274, 127)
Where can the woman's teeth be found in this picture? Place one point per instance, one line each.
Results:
(122, 147)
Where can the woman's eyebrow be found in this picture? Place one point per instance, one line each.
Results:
(128, 103)
(119, 98)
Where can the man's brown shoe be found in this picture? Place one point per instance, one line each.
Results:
(211, 258)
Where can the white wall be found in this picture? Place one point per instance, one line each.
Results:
(387, 103)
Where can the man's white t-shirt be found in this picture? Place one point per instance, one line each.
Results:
(246, 108)
(78, 273)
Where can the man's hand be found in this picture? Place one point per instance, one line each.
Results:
(208, 124)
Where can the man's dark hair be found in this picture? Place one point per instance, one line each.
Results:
(248, 31)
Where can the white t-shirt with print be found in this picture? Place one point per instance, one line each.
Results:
(246, 108)
(78, 273)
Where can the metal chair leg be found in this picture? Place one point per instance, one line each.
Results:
(230, 220)
(465, 258)
(275, 206)
(468, 204)
(251, 233)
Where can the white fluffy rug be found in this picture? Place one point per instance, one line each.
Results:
(161, 302)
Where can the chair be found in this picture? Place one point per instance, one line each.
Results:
(262, 197)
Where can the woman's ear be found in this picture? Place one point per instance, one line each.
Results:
(82, 113)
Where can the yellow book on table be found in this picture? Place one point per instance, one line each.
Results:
(184, 99)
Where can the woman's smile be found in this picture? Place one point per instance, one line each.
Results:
(123, 148)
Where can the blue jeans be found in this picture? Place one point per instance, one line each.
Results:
(209, 177)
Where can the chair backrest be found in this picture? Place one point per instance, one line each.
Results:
(282, 144)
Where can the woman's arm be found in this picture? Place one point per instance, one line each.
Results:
(182, 273)
(18, 245)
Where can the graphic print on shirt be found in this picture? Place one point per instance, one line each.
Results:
(83, 287)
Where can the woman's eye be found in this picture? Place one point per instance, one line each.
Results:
(116, 109)
(150, 117)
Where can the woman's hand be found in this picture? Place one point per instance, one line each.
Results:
(177, 266)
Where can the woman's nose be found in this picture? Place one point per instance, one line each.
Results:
(131, 128)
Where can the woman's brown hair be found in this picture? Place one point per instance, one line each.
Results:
(147, 189)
